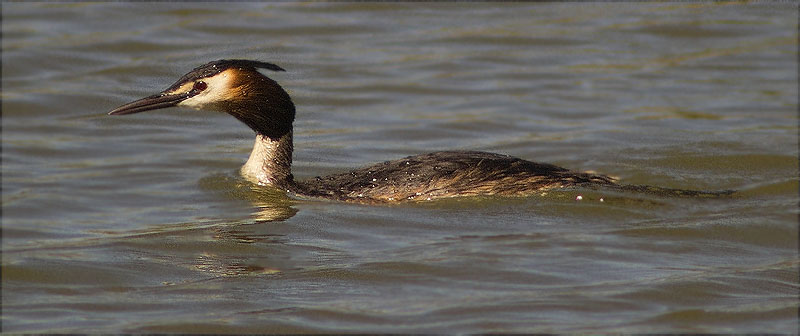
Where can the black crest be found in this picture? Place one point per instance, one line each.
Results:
(212, 68)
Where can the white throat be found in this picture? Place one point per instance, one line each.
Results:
(270, 161)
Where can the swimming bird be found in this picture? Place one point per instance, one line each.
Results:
(237, 87)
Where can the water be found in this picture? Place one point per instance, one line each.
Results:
(141, 224)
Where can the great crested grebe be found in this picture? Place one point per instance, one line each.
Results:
(237, 87)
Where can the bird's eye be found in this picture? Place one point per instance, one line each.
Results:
(200, 86)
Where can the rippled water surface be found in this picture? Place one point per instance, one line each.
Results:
(142, 224)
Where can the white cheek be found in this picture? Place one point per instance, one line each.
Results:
(205, 99)
(217, 91)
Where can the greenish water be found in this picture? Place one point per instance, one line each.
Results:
(141, 223)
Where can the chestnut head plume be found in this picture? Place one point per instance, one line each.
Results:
(232, 86)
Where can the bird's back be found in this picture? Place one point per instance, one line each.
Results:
(444, 174)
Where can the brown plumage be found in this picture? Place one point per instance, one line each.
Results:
(237, 87)
(445, 174)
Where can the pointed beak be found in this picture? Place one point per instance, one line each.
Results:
(154, 102)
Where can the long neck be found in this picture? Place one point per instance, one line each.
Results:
(270, 161)
(266, 108)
